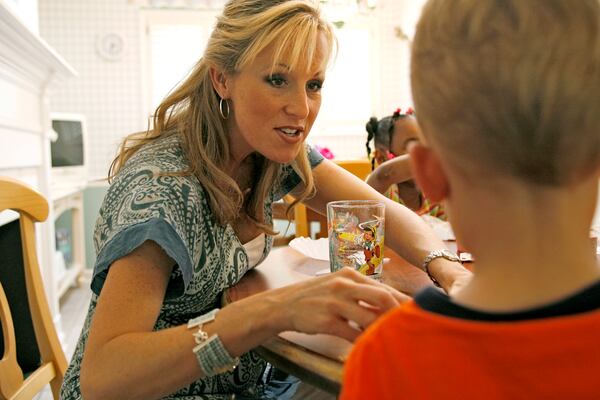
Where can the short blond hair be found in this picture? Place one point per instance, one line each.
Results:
(511, 87)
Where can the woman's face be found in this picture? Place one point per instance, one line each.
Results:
(274, 108)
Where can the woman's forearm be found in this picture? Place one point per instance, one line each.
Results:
(145, 365)
(126, 358)
(408, 234)
(152, 364)
(413, 239)
(140, 365)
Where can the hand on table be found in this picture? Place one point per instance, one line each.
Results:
(328, 303)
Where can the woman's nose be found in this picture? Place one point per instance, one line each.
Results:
(298, 104)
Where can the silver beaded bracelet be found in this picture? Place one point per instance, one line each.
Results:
(212, 356)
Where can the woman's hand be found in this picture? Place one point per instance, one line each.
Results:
(329, 303)
(451, 275)
(459, 280)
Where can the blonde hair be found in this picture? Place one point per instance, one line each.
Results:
(512, 86)
(245, 28)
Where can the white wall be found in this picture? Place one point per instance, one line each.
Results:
(26, 11)
(108, 92)
(395, 52)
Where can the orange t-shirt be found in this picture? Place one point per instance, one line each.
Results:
(411, 353)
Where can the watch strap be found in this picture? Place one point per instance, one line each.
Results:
(440, 253)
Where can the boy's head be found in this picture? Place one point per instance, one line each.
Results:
(391, 135)
(511, 87)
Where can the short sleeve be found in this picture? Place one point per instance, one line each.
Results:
(143, 204)
(290, 178)
(157, 230)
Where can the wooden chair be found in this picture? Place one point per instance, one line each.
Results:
(280, 213)
(14, 383)
(360, 168)
(304, 216)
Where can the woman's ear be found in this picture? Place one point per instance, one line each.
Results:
(220, 82)
(428, 172)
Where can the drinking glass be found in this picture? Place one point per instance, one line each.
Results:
(356, 232)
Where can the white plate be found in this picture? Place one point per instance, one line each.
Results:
(317, 249)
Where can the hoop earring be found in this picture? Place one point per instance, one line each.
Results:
(224, 108)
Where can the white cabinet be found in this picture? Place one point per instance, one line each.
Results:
(70, 200)
(29, 70)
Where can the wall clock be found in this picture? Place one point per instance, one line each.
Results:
(110, 46)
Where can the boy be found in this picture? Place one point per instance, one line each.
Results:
(508, 99)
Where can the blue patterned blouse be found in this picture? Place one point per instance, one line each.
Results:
(173, 211)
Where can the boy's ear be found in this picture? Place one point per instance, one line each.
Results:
(428, 173)
(220, 82)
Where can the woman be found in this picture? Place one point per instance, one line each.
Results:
(188, 213)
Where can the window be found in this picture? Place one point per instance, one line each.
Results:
(351, 90)
(174, 40)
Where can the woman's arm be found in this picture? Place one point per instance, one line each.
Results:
(125, 358)
(390, 172)
(406, 232)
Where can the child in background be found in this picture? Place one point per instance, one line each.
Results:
(510, 115)
(393, 136)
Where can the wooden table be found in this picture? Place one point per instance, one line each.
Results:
(316, 359)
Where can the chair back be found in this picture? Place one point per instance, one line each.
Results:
(360, 168)
(14, 383)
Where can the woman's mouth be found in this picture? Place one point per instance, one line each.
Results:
(291, 135)
(290, 132)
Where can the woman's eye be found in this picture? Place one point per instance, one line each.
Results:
(314, 86)
(276, 81)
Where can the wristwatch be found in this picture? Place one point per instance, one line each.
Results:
(442, 253)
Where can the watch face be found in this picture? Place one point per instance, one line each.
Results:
(110, 46)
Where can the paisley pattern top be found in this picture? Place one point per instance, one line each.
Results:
(173, 211)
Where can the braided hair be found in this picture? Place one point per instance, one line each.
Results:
(380, 131)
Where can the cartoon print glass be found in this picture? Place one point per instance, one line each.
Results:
(356, 232)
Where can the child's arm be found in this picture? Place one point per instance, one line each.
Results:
(390, 172)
